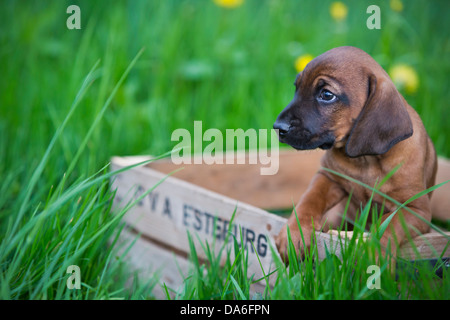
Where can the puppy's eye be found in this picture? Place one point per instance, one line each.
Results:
(327, 96)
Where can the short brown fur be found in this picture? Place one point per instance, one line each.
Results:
(367, 131)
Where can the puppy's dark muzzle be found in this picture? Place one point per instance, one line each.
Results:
(282, 127)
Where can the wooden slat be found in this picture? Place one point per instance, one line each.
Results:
(176, 207)
(243, 182)
(427, 246)
(440, 200)
(155, 263)
(168, 269)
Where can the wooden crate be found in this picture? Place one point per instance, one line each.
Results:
(202, 198)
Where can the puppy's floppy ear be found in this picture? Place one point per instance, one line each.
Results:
(383, 121)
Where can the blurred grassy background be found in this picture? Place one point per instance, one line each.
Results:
(229, 67)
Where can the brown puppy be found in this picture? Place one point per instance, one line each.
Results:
(346, 103)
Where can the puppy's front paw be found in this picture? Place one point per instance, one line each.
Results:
(299, 243)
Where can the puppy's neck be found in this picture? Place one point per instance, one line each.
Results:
(339, 151)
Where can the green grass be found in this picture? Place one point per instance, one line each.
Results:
(335, 277)
(69, 100)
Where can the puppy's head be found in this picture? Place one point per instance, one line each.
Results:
(343, 98)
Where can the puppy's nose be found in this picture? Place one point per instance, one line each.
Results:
(282, 127)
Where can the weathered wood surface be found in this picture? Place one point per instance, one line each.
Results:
(440, 200)
(176, 207)
(155, 263)
(244, 183)
(428, 246)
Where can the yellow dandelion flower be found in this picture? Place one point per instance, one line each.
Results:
(396, 5)
(302, 61)
(404, 77)
(230, 4)
(338, 11)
